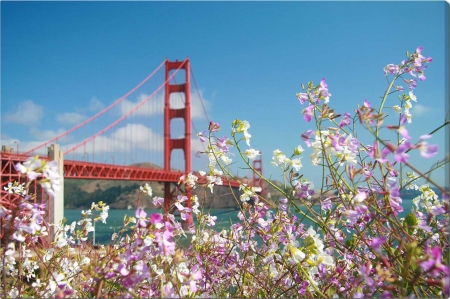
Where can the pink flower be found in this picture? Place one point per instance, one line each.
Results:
(391, 69)
(306, 137)
(158, 201)
(376, 243)
(433, 265)
(302, 97)
(141, 217)
(345, 121)
(308, 112)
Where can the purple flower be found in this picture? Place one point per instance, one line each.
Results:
(214, 127)
(223, 144)
(303, 287)
(402, 130)
(165, 244)
(306, 136)
(376, 243)
(210, 220)
(391, 69)
(433, 265)
(352, 216)
(308, 112)
(201, 136)
(302, 97)
(412, 83)
(345, 120)
(141, 217)
(323, 89)
(400, 154)
(427, 151)
(158, 201)
(156, 218)
(326, 204)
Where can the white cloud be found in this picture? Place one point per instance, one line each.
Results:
(95, 105)
(45, 135)
(418, 110)
(70, 118)
(155, 105)
(26, 113)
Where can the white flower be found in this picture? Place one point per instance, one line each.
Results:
(242, 127)
(296, 254)
(298, 150)
(146, 189)
(296, 164)
(412, 96)
(251, 153)
(278, 158)
(397, 108)
(29, 166)
(408, 105)
(248, 192)
(227, 160)
(315, 237)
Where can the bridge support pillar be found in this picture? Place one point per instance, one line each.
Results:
(257, 181)
(56, 204)
(184, 113)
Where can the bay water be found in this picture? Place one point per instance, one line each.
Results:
(225, 218)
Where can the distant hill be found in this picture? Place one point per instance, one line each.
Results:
(79, 194)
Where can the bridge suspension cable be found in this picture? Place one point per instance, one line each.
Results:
(99, 113)
(126, 115)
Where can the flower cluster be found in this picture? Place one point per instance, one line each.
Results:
(352, 238)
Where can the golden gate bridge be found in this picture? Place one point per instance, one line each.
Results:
(148, 139)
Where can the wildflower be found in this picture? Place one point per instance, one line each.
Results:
(296, 164)
(376, 243)
(214, 127)
(210, 220)
(29, 167)
(201, 136)
(191, 180)
(296, 254)
(397, 109)
(141, 217)
(146, 189)
(326, 204)
(227, 160)
(433, 265)
(248, 192)
(306, 136)
(302, 97)
(345, 120)
(240, 126)
(158, 201)
(426, 151)
(279, 158)
(298, 150)
(251, 153)
(308, 112)
(323, 89)
(224, 144)
(391, 69)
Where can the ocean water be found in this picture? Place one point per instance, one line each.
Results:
(225, 217)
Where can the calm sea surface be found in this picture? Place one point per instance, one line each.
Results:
(225, 217)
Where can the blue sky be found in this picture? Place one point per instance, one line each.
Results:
(249, 60)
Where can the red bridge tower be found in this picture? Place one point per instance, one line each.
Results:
(171, 113)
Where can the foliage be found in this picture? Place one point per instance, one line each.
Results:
(358, 246)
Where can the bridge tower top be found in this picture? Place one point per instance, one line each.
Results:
(184, 113)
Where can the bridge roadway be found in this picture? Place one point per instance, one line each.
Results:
(100, 171)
